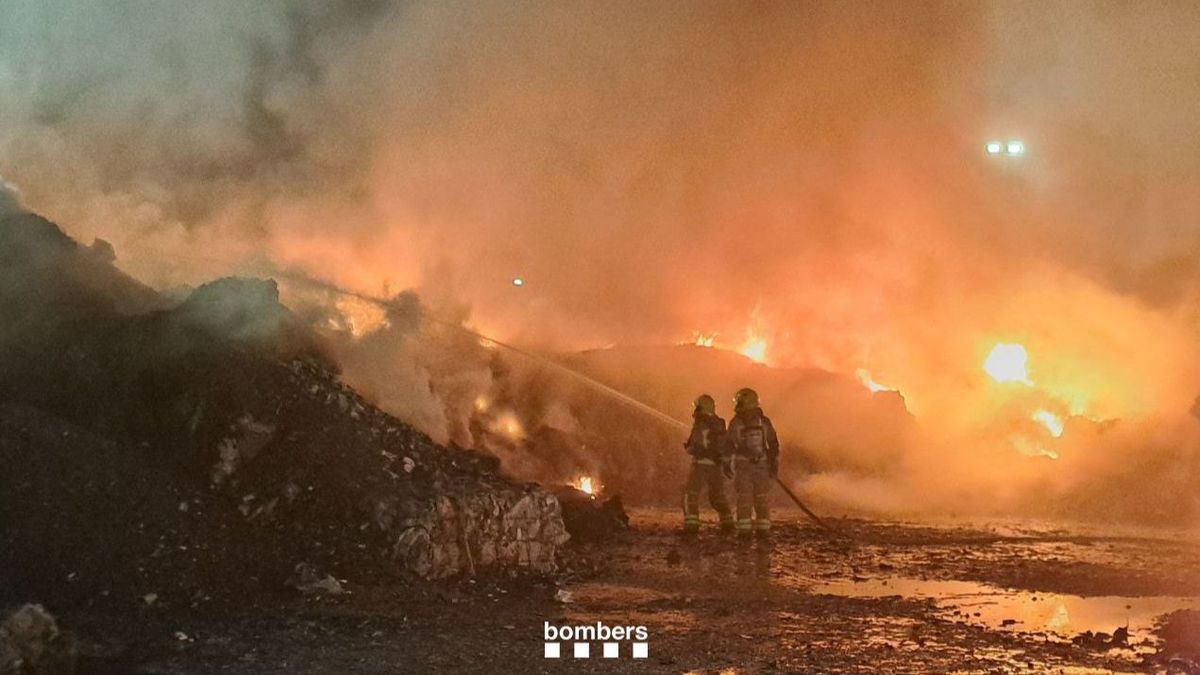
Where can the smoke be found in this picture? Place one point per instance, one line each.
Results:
(9, 203)
(807, 175)
(428, 374)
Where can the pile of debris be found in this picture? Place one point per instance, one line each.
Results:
(1180, 635)
(151, 450)
(589, 517)
(31, 642)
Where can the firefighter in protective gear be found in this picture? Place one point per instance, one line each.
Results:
(705, 445)
(752, 446)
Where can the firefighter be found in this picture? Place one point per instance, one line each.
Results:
(708, 471)
(752, 447)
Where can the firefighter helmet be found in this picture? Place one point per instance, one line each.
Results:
(745, 399)
(704, 404)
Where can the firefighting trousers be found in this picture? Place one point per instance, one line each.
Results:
(704, 476)
(753, 485)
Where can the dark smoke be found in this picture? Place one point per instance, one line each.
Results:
(809, 175)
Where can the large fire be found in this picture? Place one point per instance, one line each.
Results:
(1009, 362)
(980, 292)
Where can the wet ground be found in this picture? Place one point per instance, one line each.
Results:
(888, 598)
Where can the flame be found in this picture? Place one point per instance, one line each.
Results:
(482, 404)
(1008, 362)
(1049, 420)
(586, 485)
(755, 349)
(703, 339)
(869, 383)
(755, 346)
(509, 425)
(358, 316)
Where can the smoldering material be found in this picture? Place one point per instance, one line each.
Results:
(810, 175)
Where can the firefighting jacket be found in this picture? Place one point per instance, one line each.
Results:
(706, 440)
(752, 436)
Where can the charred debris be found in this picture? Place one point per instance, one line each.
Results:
(192, 448)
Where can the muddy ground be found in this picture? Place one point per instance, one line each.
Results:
(810, 603)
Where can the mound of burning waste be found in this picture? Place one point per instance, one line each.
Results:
(210, 447)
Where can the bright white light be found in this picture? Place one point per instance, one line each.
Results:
(994, 147)
(865, 377)
(1049, 420)
(1008, 362)
(518, 282)
(1016, 148)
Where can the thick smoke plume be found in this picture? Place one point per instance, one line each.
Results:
(807, 179)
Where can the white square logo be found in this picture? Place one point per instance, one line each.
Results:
(581, 650)
(640, 650)
(612, 650)
(552, 651)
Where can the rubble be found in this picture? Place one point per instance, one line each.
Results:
(1101, 641)
(1180, 635)
(206, 448)
(591, 518)
(31, 642)
(308, 580)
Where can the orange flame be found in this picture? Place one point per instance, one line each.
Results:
(359, 317)
(755, 349)
(755, 346)
(586, 485)
(482, 403)
(509, 425)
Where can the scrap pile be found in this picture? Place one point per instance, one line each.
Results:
(163, 451)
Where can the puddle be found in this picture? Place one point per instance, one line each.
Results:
(621, 604)
(1056, 615)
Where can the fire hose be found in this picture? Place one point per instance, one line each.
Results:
(807, 511)
(643, 407)
(620, 396)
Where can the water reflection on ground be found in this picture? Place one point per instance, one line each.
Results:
(1059, 616)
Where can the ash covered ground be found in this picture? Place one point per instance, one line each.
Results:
(190, 487)
(713, 606)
